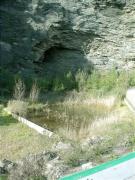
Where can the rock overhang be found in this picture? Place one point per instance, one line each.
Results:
(107, 39)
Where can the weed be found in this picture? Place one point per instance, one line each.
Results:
(34, 93)
(18, 107)
(19, 90)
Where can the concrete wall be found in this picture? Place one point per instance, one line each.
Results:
(32, 125)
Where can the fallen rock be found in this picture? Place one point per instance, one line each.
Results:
(46, 165)
(87, 165)
(6, 166)
(55, 169)
(62, 146)
(92, 141)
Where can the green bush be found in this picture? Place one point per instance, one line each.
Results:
(81, 80)
(96, 82)
(69, 81)
(44, 83)
(57, 85)
(102, 81)
(110, 82)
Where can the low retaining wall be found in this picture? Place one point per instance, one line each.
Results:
(130, 99)
(32, 125)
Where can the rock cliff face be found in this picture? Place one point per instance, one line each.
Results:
(68, 34)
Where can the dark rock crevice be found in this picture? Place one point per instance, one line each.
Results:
(59, 60)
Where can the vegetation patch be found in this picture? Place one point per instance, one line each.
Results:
(90, 118)
(94, 82)
(17, 140)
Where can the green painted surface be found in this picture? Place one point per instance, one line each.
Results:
(99, 168)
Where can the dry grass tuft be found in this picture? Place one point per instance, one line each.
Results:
(18, 107)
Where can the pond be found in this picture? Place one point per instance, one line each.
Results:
(69, 118)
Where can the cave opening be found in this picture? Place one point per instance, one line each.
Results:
(59, 60)
(49, 52)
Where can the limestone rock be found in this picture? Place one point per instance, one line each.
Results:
(77, 33)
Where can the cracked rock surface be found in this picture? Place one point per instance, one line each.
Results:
(82, 32)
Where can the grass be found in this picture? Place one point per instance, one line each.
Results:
(3, 177)
(90, 104)
(72, 116)
(78, 118)
(17, 140)
(106, 141)
(95, 120)
(88, 118)
(18, 107)
(108, 138)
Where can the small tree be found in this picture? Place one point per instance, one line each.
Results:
(19, 90)
(34, 93)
